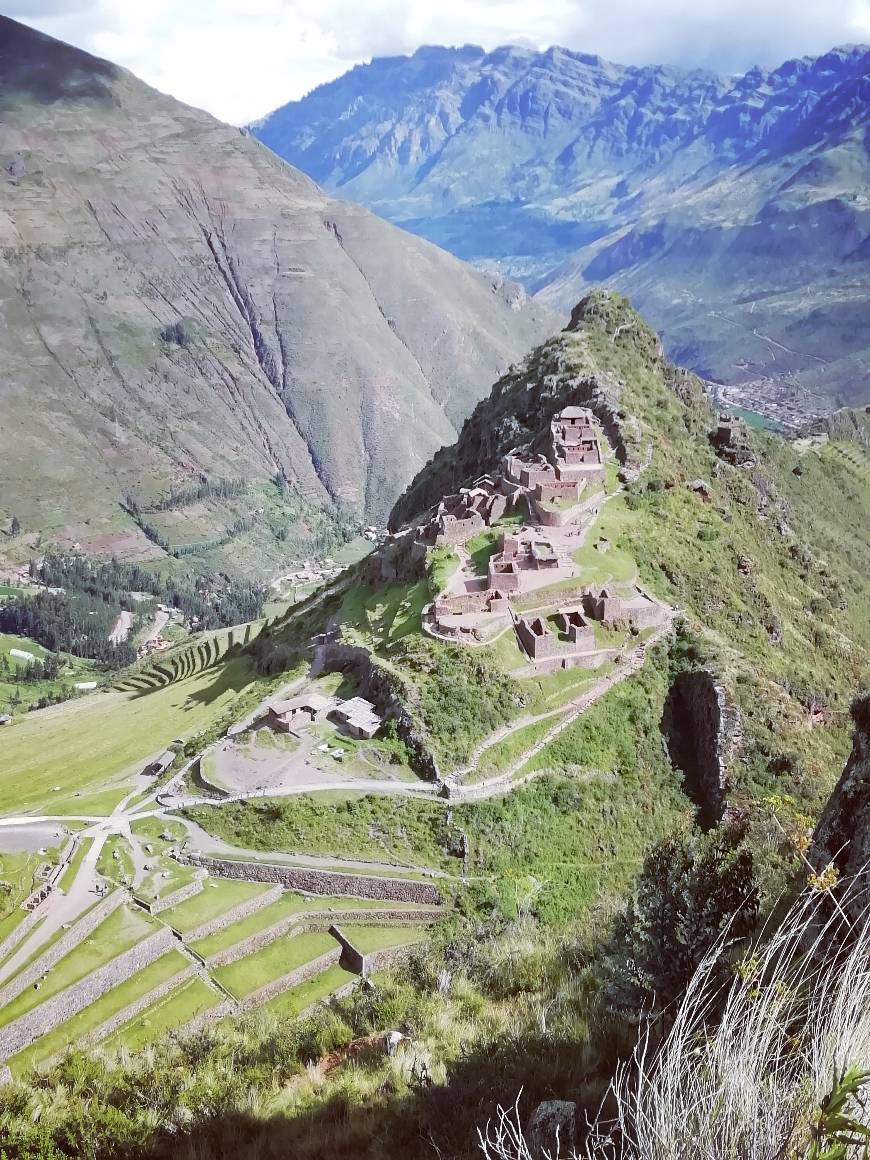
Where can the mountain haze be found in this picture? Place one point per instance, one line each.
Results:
(733, 210)
(178, 302)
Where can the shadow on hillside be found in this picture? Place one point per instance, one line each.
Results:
(430, 1122)
(199, 658)
(38, 68)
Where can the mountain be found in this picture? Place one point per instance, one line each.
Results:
(182, 309)
(733, 210)
(580, 887)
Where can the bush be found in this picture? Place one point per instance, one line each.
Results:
(691, 891)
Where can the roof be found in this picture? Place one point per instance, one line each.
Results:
(315, 701)
(165, 758)
(575, 413)
(359, 711)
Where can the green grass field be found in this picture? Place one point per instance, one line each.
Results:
(70, 1033)
(177, 1008)
(296, 999)
(278, 958)
(120, 931)
(166, 877)
(116, 860)
(218, 896)
(17, 869)
(86, 743)
(378, 938)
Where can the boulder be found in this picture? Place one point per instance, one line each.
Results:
(551, 1129)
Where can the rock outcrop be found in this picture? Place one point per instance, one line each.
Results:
(702, 730)
(842, 835)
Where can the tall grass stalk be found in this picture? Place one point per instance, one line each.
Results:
(772, 1067)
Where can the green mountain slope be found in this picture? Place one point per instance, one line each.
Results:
(178, 303)
(759, 541)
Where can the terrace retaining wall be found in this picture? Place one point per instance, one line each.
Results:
(67, 942)
(20, 932)
(48, 1015)
(328, 882)
(175, 898)
(138, 1006)
(258, 902)
(316, 920)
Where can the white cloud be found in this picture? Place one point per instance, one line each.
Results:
(241, 58)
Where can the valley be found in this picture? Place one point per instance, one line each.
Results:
(202, 838)
(732, 210)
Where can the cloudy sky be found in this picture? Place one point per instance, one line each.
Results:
(241, 58)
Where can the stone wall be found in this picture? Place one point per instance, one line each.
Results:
(80, 931)
(137, 1007)
(322, 881)
(318, 920)
(48, 1015)
(229, 917)
(352, 959)
(175, 898)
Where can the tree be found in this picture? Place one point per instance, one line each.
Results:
(693, 890)
(15, 526)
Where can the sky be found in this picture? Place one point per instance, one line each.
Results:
(239, 59)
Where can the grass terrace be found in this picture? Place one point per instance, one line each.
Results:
(289, 904)
(118, 933)
(294, 1000)
(254, 971)
(218, 896)
(181, 1005)
(92, 1017)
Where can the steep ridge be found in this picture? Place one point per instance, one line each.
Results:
(726, 528)
(178, 303)
(734, 211)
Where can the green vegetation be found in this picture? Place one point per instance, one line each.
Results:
(345, 823)
(218, 896)
(296, 999)
(177, 1008)
(271, 962)
(377, 938)
(116, 860)
(441, 563)
(117, 933)
(166, 877)
(17, 880)
(111, 734)
(70, 1033)
(288, 904)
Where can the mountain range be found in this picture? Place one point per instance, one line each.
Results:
(735, 211)
(181, 307)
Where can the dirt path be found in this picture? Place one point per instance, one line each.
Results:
(160, 621)
(122, 627)
(507, 780)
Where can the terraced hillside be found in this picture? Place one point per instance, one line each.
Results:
(498, 803)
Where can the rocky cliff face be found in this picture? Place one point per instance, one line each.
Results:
(177, 301)
(842, 836)
(713, 202)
